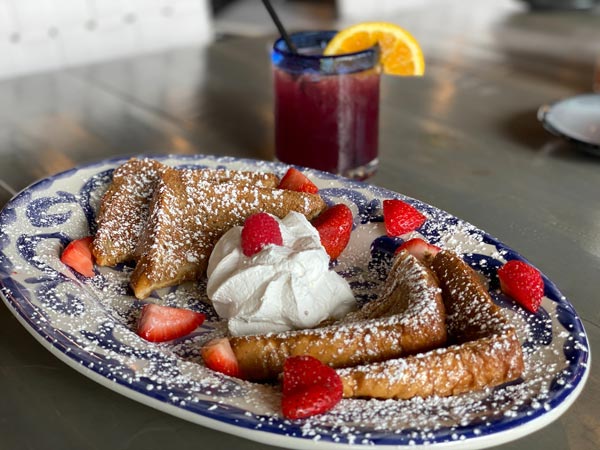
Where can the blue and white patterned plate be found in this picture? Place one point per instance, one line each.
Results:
(89, 324)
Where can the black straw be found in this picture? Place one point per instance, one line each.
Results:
(279, 25)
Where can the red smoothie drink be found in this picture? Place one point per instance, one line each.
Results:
(326, 108)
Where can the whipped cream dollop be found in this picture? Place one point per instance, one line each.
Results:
(280, 288)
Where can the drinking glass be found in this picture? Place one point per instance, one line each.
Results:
(326, 107)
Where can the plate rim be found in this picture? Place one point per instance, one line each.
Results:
(268, 437)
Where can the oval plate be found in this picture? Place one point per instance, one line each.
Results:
(89, 323)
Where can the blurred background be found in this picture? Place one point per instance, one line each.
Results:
(85, 79)
(38, 35)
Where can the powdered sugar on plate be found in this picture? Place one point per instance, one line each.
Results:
(90, 324)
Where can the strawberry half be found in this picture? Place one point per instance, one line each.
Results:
(259, 230)
(523, 283)
(218, 356)
(419, 248)
(400, 217)
(294, 180)
(162, 323)
(335, 227)
(78, 256)
(309, 387)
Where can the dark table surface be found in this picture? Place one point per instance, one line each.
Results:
(464, 138)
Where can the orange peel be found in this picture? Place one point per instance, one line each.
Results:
(401, 53)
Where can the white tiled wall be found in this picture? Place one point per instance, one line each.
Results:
(39, 35)
(374, 9)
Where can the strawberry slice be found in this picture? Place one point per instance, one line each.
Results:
(523, 283)
(335, 227)
(400, 217)
(309, 387)
(162, 323)
(294, 180)
(78, 256)
(218, 356)
(259, 230)
(419, 248)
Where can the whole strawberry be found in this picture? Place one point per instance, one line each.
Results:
(335, 227)
(523, 283)
(400, 218)
(259, 230)
(309, 387)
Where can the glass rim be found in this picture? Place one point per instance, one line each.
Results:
(300, 63)
(327, 35)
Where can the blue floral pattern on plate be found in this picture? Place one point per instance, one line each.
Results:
(90, 323)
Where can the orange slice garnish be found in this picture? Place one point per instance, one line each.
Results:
(401, 54)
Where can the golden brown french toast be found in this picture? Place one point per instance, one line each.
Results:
(125, 205)
(408, 317)
(188, 214)
(124, 209)
(486, 350)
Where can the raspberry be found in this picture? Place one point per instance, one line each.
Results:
(259, 230)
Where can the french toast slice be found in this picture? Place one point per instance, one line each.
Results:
(485, 350)
(124, 209)
(187, 216)
(408, 317)
(125, 206)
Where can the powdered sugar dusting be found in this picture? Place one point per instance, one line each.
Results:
(91, 323)
(188, 215)
(407, 317)
(126, 204)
